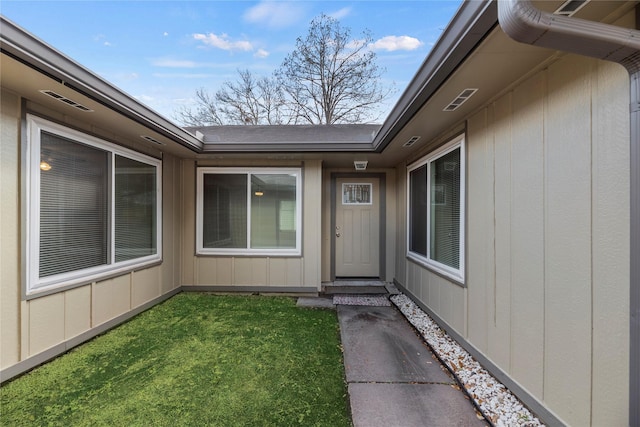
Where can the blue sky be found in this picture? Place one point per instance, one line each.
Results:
(161, 52)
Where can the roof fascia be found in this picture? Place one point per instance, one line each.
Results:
(33, 52)
(473, 21)
(287, 147)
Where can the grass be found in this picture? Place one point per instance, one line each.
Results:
(194, 360)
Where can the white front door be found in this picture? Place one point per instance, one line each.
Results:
(357, 231)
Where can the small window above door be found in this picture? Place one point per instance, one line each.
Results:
(356, 194)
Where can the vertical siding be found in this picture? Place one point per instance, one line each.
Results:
(568, 240)
(9, 229)
(610, 253)
(401, 224)
(46, 322)
(31, 327)
(547, 240)
(480, 228)
(312, 224)
(527, 235)
(499, 329)
(171, 223)
(77, 311)
(259, 271)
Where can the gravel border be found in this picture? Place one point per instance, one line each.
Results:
(371, 300)
(491, 397)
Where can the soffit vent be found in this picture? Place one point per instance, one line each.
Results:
(360, 165)
(151, 139)
(66, 100)
(460, 99)
(411, 141)
(570, 7)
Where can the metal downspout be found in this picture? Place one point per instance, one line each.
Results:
(520, 20)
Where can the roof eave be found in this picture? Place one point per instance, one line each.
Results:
(36, 54)
(470, 25)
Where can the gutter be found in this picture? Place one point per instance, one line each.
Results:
(521, 21)
(35, 53)
(469, 26)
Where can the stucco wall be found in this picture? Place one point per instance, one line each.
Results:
(547, 275)
(36, 329)
(254, 272)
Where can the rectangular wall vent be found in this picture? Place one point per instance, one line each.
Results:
(411, 141)
(66, 100)
(151, 139)
(460, 99)
(570, 7)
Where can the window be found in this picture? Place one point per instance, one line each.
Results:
(94, 207)
(435, 236)
(248, 212)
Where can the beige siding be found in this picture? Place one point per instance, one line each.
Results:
(527, 238)
(77, 311)
(171, 223)
(610, 247)
(480, 229)
(310, 265)
(568, 240)
(46, 322)
(30, 327)
(9, 229)
(547, 240)
(254, 271)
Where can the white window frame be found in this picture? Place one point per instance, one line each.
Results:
(458, 275)
(36, 285)
(201, 250)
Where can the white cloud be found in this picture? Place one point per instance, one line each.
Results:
(173, 63)
(261, 53)
(222, 42)
(391, 43)
(339, 14)
(275, 14)
(165, 34)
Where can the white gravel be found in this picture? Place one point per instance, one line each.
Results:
(372, 300)
(495, 401)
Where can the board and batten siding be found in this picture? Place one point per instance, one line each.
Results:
(39, 328)
(224, 272)
(547, 229)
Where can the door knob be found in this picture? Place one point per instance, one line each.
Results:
(337, 234)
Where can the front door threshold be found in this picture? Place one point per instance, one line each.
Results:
(350, 286)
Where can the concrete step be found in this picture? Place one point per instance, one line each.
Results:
(357, 287)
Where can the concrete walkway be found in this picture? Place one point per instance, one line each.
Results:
(393, 378)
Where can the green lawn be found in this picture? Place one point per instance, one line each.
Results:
(194, 360)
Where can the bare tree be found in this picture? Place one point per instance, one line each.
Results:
(251, 100)
(204, 114)
(330, 77)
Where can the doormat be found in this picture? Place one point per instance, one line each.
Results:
(372, 300)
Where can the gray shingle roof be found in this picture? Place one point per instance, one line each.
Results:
(288, 134)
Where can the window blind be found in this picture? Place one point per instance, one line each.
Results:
(445, 209)
(73, 206)
(135, 209)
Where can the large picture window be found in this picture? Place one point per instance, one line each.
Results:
(94, 207)
(435, 236)
(242, 211)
